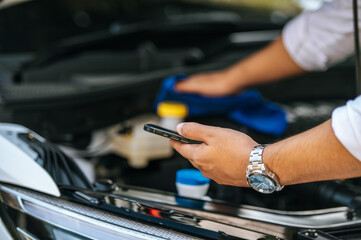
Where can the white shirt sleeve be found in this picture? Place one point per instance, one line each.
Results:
(321, 38)
(346, 124)
(318, 39)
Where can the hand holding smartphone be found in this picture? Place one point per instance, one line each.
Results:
(152, 128)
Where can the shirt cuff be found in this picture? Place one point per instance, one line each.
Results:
(346, 124)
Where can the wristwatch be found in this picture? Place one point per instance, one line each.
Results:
(259, 177)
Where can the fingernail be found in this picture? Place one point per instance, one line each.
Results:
(179, 128)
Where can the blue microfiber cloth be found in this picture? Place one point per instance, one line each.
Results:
(248, 108)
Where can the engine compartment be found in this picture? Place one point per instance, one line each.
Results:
(90, 99)
(80, 85)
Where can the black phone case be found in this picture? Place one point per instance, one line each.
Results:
(152, 128)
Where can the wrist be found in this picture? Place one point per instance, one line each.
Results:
(273, 162)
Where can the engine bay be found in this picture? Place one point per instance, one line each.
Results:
(82, 91)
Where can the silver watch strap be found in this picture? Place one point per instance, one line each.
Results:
(255, 157)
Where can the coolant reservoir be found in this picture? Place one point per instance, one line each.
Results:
(139, 146)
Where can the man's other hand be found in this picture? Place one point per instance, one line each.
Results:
(215, 84)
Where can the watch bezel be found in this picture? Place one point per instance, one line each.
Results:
(262, 190)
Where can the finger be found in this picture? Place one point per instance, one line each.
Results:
(196, 131)
(189, 85)
(188, 151)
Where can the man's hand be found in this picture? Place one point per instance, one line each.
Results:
(215, 84)
(223, 156)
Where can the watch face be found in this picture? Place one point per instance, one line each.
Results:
(261, 183)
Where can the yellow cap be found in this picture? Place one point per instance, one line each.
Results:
(172, 109)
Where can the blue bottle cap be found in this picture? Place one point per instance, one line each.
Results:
(191, 177)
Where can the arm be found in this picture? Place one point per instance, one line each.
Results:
(270, 64)
(313, 41)
(314, 155)
(274, 62)
(310, 156)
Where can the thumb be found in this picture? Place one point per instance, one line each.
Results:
(195, 131)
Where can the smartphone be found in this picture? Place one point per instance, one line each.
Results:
(152, 128)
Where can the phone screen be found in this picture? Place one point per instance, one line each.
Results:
(152, 128)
